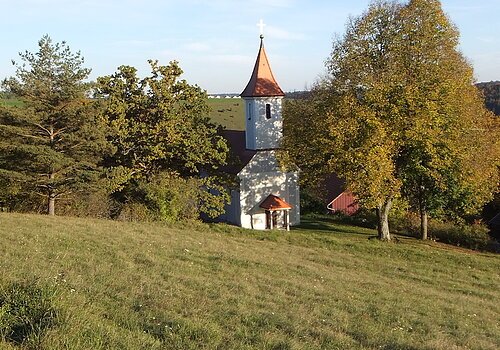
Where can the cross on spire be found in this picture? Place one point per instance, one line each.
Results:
(261, 25)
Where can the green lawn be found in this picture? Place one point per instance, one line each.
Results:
(10, 102)
(228, 112)
(151, 286)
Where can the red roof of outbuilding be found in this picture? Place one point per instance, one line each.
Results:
(262, 82)
(345, 202)
(273, 202)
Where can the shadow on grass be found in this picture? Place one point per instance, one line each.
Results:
(320, 225)
(330, 226)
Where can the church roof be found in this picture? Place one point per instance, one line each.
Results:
(262, 82)
(273, 202)
(240, 156)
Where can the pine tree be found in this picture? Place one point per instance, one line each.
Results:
(50, 144)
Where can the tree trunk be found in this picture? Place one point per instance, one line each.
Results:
(51, 208)
(383, 220)
(423, 213)
(423, 224)
(52, 204)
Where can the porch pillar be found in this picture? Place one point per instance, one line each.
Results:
(287, 219)
(271, 220)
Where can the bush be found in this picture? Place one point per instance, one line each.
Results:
(407, 224)
(26, 311)
(16, 199)
(311, 203)
(474, 236)
(363, 218)
(170, 198)
(468, 236)
(134, 211)
(93, 204)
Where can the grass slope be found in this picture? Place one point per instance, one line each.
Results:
(10, 102)
(228, 112)
(151, 286)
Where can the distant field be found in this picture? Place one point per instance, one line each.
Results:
(123, 285)
(10, 102)
(228, 112)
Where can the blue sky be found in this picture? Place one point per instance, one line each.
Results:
(216, 41)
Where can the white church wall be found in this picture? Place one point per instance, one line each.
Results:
(263, 132)
(262, 162)
(257, 187)
(254, 188)
(261, 177)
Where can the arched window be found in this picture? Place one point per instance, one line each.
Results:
(268, 111)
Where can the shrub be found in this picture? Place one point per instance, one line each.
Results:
(170, 198)
(14, 198)
(468, 236)
(407, 224)
(26, 311)
(94, 204)
(363, 218)
(311, 203)
(134, 211)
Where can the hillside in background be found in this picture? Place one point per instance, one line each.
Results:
(491, 91)
(8, 99)
(116, 285)
(229, 112)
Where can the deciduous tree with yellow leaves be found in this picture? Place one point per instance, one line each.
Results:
(399, 116)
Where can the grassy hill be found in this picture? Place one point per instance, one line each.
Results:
(225, 111)
(10, 101)
(118, 285)
(228, 112)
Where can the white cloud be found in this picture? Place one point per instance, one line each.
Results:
(282, 34)
(135, 43)
(197, 47)
(275, 3)
(169, 54)
(487, 40)
(228, 58)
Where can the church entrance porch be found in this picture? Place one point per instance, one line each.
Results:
(278, 219)
(277, 212)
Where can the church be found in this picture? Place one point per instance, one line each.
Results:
(267, 196)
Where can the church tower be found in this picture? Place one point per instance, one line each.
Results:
(267, 195)
(263, 97)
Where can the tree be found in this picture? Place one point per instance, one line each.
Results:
(354, 124)
(402, 116)
(50, 144)
(160, 124)
(448, 129)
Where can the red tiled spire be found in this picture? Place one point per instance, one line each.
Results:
(262, 82)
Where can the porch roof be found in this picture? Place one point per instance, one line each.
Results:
(273, 202)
